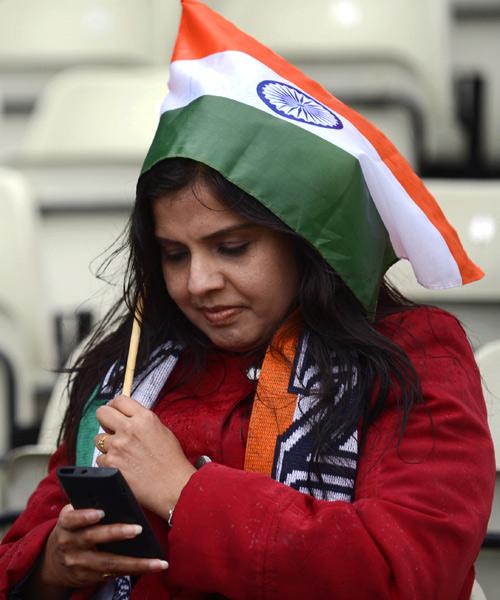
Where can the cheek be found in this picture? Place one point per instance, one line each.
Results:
(278, 288)
(286, 273)
(173, 285)
(285, 287)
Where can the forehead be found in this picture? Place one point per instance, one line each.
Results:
(193, 211)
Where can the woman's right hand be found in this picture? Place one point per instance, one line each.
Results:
(71, 559)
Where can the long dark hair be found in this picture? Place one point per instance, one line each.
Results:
(337, 323)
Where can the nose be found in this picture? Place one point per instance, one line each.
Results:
(204, 276)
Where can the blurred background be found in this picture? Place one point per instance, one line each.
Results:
(81, 83)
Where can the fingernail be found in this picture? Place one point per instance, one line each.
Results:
(158, 564)
(95, 515)
(132, 530)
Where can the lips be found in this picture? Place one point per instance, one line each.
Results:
(221, 315)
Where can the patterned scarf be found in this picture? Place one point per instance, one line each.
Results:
(281, 432)
(281, 429)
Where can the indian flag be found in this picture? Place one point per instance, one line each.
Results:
(329, 174)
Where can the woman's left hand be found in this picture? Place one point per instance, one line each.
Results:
(146, 452)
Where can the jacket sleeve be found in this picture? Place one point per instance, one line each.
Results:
(25, 540)
(416, 524)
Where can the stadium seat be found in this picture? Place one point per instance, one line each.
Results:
(477, 592)
(390, 53)
(20, 297)
(93, 116)
(25, 466)
(25, 332)
(488, 359)
(469, 6)
(82, 155)
(473, 208)
(16, 399)
(11, 130)
(40, 38)
(476, 46)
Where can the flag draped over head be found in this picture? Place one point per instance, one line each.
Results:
(314, 162)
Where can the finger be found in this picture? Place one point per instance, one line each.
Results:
(107, 430)
(72, 519)
(104, 460)
(105, 563)
(101, 534)
(100, 442)
(127, 406)
(110, 418)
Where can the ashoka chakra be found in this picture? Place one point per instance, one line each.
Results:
(290, 102)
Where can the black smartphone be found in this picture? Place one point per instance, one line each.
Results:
(106, 489)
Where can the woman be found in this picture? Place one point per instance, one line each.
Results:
(234, 276)
(350, 454)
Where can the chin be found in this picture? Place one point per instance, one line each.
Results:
(235, 345)
(239, 348)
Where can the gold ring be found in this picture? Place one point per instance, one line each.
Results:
(100, 444)
(105, 575)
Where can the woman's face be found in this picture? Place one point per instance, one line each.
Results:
(234, 280)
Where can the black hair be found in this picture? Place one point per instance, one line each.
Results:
(337, 323)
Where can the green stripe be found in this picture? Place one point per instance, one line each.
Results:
(318, 190)
(87, 430)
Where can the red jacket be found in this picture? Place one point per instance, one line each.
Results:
(413, 531)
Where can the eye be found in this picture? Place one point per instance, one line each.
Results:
(233, 249)
(173, 257)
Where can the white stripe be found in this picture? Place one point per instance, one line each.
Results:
(351, 444)
(296, 475)
(235, 75)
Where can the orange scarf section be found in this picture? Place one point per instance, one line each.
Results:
(273, 407)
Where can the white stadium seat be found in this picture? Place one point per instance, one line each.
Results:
(25, 466)
(82, 155)
(40, 38)
(20, 296)
(477, 592)
(94, 115)
(25, 327)
(473, 209)
(488, 359)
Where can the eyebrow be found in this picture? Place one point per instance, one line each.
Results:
(213, 235)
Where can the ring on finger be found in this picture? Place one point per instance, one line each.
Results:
(100, 444)
(106, 575)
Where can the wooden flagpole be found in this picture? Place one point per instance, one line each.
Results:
(133, 348)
